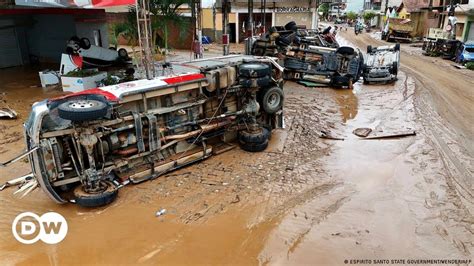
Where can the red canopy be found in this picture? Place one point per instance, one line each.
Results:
(75, 3)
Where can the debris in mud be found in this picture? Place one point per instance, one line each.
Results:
(236, 199)
(8, 113)
(16, 181)
(325, 135)
(362, 132)
(160, 212)
(311, 84)
(394, 135)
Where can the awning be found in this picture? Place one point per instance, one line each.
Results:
(75, 3)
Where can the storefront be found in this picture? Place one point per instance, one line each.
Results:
(275, 13)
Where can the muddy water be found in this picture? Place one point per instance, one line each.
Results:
(393, 196)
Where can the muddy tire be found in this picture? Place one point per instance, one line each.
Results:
(91, 200)
(272, 100)
(254, 137)
(122, 53)
(255, 82)
(85, 43)
(345, 50)
(254, 147)
(395, 68)
(254, 70)
(397, 47)
(291, 26)
(340, 81)
(79, 110)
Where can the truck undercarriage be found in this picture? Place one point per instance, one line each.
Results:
(86, 145)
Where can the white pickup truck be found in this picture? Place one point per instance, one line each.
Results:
(381, 64)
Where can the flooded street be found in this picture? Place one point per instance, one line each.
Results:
(305, 199)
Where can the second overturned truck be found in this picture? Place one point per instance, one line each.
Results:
(82, 147)
(381, 64)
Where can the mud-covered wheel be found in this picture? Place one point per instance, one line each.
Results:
(395, 68)
(254, 147)
(272, 100)
(122, 53)
(85, 43)
(369, 49)
(397, 47)
(79, 110)
(345, 50)
(105, 196)
(254, 70)
(291, 26)
(259, 136)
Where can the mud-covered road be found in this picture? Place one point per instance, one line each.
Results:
(305, 199)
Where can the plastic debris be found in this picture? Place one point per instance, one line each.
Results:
(160, 212)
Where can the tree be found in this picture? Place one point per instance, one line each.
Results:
(324, 8)
(351, 15)
(167, 13)
(127, 30)
(368, 15)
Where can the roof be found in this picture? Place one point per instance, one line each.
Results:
(413, 5)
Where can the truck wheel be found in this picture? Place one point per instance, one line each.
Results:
(90, 200)
(397, 47)
(122, 53)
(254, 70)
(369, 49)
(85, 43)
(345, 50)
(82, 110)
(395, 68)
(291, 26)
(254, 147)
(254, 137)
(272, 100)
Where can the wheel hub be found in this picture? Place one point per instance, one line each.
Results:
(81, 104)
(273, 100)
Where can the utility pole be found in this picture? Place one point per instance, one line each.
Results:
(225, 26)
(144, 38)
(197, 36)
(250, 19)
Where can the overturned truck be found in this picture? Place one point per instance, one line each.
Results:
(82, 147)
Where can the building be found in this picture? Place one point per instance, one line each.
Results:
(337, 10)
(31, 35)
(271, 13)
(375, 7)
(464, 14)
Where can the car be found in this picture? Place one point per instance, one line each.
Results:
(337, 67)
(94, 56)
(465, 53)
(83, 147)
(381, 64)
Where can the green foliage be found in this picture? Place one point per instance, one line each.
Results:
(351, 15)
(368, 15)
(324, 8)
(470, 65)
(81, 73)
(167, 13)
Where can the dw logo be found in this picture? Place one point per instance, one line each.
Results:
(28, 228)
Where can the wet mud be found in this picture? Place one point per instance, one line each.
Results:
(306, 199)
